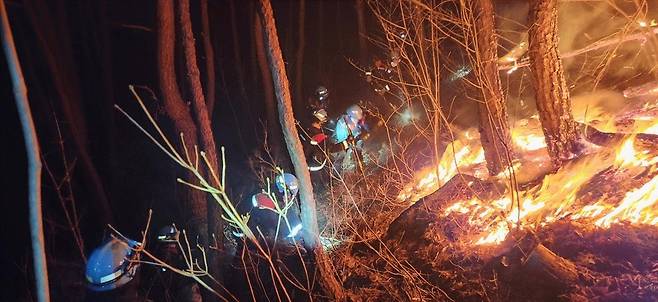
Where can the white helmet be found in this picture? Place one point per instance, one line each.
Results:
(322, 93)
(354, 112)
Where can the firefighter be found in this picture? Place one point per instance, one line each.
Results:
(264, 213)
(315, 151)
(111, 269)
(350, 127)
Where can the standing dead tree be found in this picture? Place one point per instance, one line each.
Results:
(308, 209)
(33, 159)
(494, 126)
(551, 91)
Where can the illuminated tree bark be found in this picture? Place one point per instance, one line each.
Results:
(193, 81)
(494, 127)
(33, 159)
(551, 92)
(310, 230)
(176, 108)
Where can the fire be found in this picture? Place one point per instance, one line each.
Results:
(460, 155)
(527, 135)
(652, 130)
(638, 206)
(557, 197)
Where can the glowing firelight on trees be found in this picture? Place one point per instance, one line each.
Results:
(556, 197)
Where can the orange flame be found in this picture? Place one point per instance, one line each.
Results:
(557, 197)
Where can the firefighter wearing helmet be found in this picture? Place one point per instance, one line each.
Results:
(264, 212)
(350, 126)
(112, 265)
(111, 269)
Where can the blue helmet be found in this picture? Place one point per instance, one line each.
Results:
(287, 181)
(112, 265)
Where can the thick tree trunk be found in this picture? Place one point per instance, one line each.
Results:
(308, 210)
(193, 80)
(176, 108)
(210, 58)
(361, 24)
(494, 127)
(551, 92)
(273, 128)
(33, 160)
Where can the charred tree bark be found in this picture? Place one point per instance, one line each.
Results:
(193, 80)
(551, 92)
(33, 159)
(274, 130)
(210, 58)
(308, 210)
(176, 108)
(494, 127)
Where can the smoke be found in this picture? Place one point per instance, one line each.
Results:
(600, 105)
(595, 78)
(583, 24)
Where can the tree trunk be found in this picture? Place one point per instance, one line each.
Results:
(33, 159)
(361, 23)
(56, 46)
(310, 230)
(236, 50)
(193, 80)
(176, 108)
(273, 128)
(300, 56)
(210, 58)
(551, 92)
(494, 127)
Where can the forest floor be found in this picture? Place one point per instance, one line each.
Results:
(415, 251)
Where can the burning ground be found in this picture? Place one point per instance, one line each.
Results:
(585, 232)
